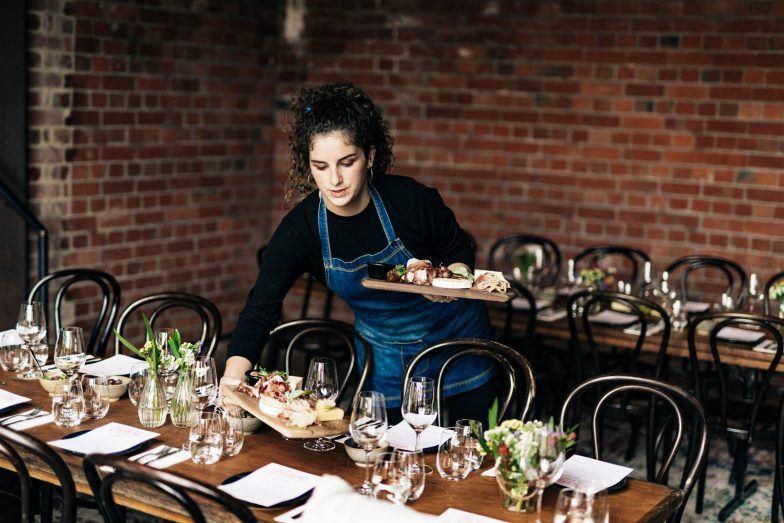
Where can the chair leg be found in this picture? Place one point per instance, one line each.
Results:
(701, 489)
(774, 509)
(46, 502)
(742, 492)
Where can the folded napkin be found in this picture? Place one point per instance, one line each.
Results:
(651, 330)
(162, 463)
(610, 317)
(24, 424)
(10, 337)
(453, 515)
(551, 315)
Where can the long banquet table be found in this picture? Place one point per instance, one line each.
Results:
(641, 501)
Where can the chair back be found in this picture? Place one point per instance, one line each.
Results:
(634, 259)
(11, 443)
(732, 272)
(776, 278)
(317, 337)
(110, 302)
(737, 407)
(580, 308)
(686, 412)
(207, 312)
(778, 484)
(518, 372)
(504, 254)
(523, 342)
(179, 489)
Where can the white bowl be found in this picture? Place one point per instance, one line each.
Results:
(249, 425)
(357, 454)
(49, 384)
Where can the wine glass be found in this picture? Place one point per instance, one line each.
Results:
(412, 462)
(452, 461)
(69, 355)
(390, 479)
(546, 466)
(322, 381)
(31, 327)
(96, 396)
(418, 407)
(205, 441)
(466, 428)
(368, 426)
(205, 382)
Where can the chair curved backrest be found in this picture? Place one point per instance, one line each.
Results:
(179, 489)
(503, 251)
(754, 394)
(580, 323)
(208, 313)
(11, 442)
(521, 342)
(516, 367)
(732, 271)
(110, 302)
(684, 406)
(636, 258)
(317, 336)
(778, 495)
(773, 280)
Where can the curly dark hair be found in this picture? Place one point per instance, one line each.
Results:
(334, 107)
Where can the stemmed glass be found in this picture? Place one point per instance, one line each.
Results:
(205, 382)
(31, 327)
(368, 426)
(546, 467)
(69, 355)
(418, 407)
(322, 381)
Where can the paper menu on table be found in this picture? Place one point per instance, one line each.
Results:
(696, 306)
(591, 475)
(613, 318)
(743, 335)
(403, 437)
(453, 515)
(9, 399)
(117, 365)
(272, 484)
(107, 439)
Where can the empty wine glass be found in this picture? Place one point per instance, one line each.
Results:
(412, 462)
(96, 396)
(69, 353)
(31, 327)
(67, 403)
(453, 461)
(205, 441)
(322, 381)
(546, 467)
(390, 479)
(471, 429)
(40, 352)
(138, 377)
(418, 407)
(205, 382)
(368, 426)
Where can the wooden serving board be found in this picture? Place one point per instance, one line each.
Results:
(470, 294)
(327, 428)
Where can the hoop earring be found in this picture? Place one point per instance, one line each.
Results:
(370, 175)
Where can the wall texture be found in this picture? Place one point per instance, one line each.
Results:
(157, 151)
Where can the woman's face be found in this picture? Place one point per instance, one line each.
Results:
(340, 171)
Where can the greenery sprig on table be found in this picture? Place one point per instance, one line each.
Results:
(182, 356)
(597, 277)
(149, 352)
(777, 292)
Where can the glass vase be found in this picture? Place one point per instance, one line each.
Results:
(152, 402)
(181, 408)
(517, 492)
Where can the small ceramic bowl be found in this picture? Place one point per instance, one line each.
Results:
(249, 425)
(116, 390)
(357, 453)
(48, 383)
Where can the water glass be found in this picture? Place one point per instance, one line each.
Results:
(205, 382)
(67, 404)
(389, 479)
(138, 377)
(31, 327)
(231, 427)
(575, 506)
(470, 429)
(205, 442)
(14, 358)
(96, 396)
(69, 355)
(452, 461)
(412, 462)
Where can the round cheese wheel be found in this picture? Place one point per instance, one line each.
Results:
(451, 283)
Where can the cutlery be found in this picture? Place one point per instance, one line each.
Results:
(34, 412)
(768, 346)
(171, 452)
(41, 415)
(151, 454)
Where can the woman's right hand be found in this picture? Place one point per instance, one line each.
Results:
(236, 366)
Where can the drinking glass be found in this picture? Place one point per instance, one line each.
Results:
(418, 407)
(138, 377)
(231, 429)
(96, 396)
(205, 442)
(545, 467)
(452, 461)
(389, 479)
(14, 358)
(322, 380)
(575, 506)
(205, 382)
(412, 462)
(40, 352)
(471, 429)
(368, 426)
(31, 327)
(69, 355)
(67, 403)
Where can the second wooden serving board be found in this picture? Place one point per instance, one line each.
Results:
(470, 294)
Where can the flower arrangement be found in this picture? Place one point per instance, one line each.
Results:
(182, 353)
(777, 292)
(150, 352)
(597, 278)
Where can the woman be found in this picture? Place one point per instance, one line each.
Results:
(340, 145)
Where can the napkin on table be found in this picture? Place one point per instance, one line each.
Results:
(24, 424)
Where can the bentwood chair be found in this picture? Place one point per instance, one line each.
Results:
(738, 400)
(778, 485)
(516, 369)
(109, 291)
(632, 260)
(776, 278)
(15, 447)
(331, 338)
(506, 252)
(206, 311)
(175, 488)
(687, 413)
(690, 266)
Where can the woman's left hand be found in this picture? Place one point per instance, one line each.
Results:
(439, 299)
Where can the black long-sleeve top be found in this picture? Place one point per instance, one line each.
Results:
(425, 225)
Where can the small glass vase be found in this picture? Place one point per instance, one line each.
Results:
(152, 402)
(519, 495)
(181, 409)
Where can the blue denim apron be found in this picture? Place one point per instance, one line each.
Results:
(399, 325)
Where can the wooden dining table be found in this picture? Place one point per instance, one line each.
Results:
(639, 501)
